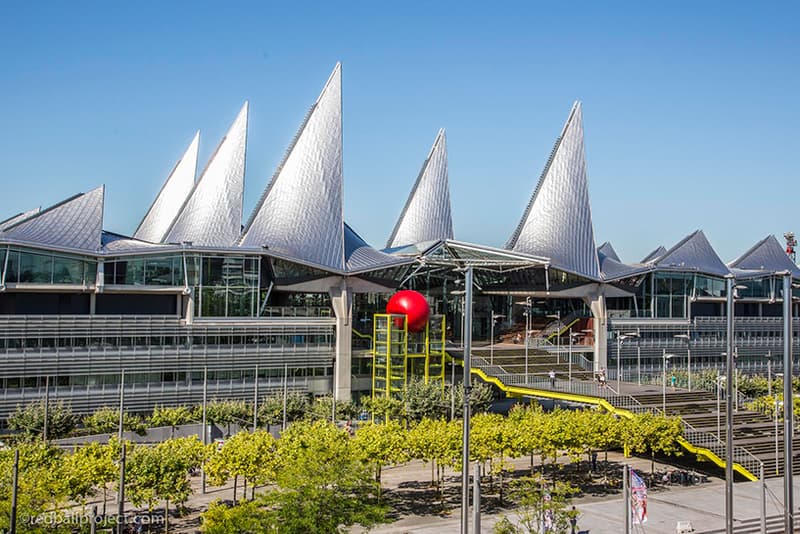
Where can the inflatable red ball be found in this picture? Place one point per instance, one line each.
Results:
(413, 305)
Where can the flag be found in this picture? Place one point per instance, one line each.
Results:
(638, 499)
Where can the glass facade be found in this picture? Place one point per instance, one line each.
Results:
(145, 271)
(228, 285)
(28, 267)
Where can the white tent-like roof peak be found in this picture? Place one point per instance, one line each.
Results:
(426, 215)
(300, 213)
(557, 222)
(212, 212)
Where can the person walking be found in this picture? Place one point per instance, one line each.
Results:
(573, 520)
(552, 375)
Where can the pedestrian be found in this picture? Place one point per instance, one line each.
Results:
(552, 375)
(594, 461)
(573, 520)
(673, 381)
(602, 378)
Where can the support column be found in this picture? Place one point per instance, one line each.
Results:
(189, 306)
(342, 302)
(597, 304)
(99, 285)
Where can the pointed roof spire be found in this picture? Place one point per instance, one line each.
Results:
(300, 212)
(558, 220)
(695, 253)
(75, 223)
(426, 215)
(212, 213)
(766, 255)
(607, 250)
(173, 194)
(657, 253)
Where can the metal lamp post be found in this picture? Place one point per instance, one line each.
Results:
(557, 317)
(664, 358)
(467, 382)
(788, 405)
(527, 332)
(688, 339)
(620, 338)
(571, 337)
(778, 406)
(527, 313)
(730, 365)
(720, 379)
(495, 316)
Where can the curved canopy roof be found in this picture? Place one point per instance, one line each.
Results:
(426, 215)
(557, 223)
(11, 221)
(76, 223)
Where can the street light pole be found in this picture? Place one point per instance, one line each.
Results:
(467, 389)
(729, 408)
(664, 357)
(788, 405)
(777, 461)
(720, 378)
(527, 332)
(687, 337)
(569, 376)
(620, 338)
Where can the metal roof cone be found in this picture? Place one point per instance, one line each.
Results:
(212, 213)
(426, 215)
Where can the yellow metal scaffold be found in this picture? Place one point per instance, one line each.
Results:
(398, 354)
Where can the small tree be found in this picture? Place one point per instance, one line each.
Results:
(106, 420)
(249, 455)
(29, 420)
(383, 408)
(41, 486)
(171, 416)
(225, 413)
(381, 444)
(321, 409)
(423, 400)
(542, 507)
(480, 398)
(654, 434)
(322, 483)
(270, 409)
(161, 472)
(90, 467)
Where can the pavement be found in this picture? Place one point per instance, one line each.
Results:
(702, 505)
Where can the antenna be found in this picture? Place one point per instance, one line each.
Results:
(791, 243)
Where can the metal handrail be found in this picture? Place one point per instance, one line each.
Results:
(695, 437)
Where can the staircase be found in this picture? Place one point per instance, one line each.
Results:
(752, 431)
(540, 363)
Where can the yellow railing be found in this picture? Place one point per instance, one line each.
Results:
(512, 391)
(560, 333)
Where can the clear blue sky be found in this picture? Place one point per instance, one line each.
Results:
(690, 108)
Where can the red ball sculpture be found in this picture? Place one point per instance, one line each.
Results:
(413, 305)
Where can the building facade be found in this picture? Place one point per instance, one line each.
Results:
(285, 298)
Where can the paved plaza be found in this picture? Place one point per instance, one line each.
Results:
(702, 505)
